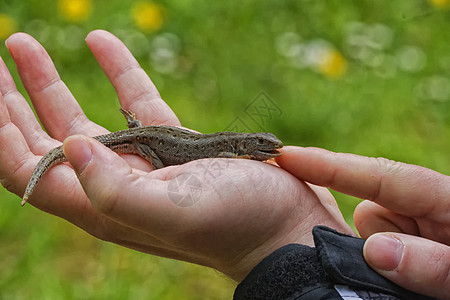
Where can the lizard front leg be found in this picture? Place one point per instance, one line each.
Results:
(235, 155)
(132, 122)
(146, 152)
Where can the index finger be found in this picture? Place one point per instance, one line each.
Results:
(403, 188)
(55, 105)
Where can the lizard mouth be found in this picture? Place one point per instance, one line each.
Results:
(269, 153)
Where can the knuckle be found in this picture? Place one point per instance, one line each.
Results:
(77, 121)
(331, 180)
(384, 162)
(10, 179)
(384, 169)
(4, 125)
(49, 84)
(387, 166)
(38, 141)
(440, 263)
(124, 72)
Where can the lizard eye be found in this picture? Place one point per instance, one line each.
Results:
(261, 141)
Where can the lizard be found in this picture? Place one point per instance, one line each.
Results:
(167, 145)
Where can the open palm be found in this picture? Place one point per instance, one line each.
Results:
(223, 213)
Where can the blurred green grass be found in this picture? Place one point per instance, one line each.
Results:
(386, 92)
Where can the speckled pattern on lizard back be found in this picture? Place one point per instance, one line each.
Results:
(165, 145)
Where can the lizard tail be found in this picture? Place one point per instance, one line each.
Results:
(53, 157)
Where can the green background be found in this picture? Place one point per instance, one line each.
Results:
(210, 61)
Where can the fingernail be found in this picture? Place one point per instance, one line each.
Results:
(383, 251)
(78, 151)
(7, 41)
(7, 47)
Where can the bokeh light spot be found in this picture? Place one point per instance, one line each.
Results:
(333, 64)
(443, 4)
(75, 10)
(411, 59)
(148, 16)
(7, 26)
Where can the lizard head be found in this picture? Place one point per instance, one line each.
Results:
(262, 145)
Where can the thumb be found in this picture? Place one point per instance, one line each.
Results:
(414, 263)
(132, 197)
(78, 151)
(102, 173)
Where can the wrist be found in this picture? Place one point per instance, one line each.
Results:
(249, 260)
(246, 263)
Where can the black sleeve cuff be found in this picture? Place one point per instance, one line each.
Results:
(282, 274)
(300, 272)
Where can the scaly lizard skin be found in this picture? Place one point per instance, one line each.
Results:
(165, 146)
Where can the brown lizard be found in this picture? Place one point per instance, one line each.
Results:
(165, 145)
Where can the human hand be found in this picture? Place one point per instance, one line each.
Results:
(406, 221)
(239, 211)
(57, 108)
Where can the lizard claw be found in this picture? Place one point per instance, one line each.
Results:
(131, 118)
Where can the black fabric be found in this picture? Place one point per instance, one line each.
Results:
(342, 259)
(300, 272)
(283, 273)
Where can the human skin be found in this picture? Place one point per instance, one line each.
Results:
(242, 214)
(406, 216)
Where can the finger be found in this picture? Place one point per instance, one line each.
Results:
(22, 116)
(109, 182)
(407, 189)
(371, 218)
(16, 160)
(55, 106)
(16, 165)
(15, 156)
(414, 263)
(329, 203)
(135, 89)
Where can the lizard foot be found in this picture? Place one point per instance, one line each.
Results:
(132, 122)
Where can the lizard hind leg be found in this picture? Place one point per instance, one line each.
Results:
(132, 122)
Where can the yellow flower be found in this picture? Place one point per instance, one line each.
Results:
(75, 10)
(333, 64)
(441, 3)
(7, 26)
(148, 16)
